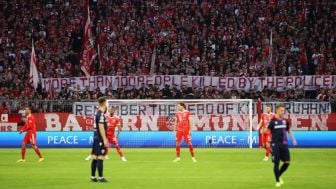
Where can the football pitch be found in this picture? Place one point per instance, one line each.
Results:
(153, 168)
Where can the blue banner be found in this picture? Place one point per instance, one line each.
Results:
(164, 139)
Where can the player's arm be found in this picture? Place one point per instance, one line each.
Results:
(23, 129)
(260, 124)
(175, 124)
(190, 125)
(26, 127)
(119, 129)
(102, 132)
(270, 126)
(291, 135)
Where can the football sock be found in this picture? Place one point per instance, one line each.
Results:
(119, 150)
(93, 167)
(23, 152)
(100, 167)
(37, 151)
(107, 150)
(276, 170)
(191, 149)
(178, 150)
(283, 168)
(268, 151)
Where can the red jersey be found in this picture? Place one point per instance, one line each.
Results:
(182, 119)
(266, 118)
(112, 123)
(29, 126)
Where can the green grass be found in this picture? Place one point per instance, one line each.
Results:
(153, 168)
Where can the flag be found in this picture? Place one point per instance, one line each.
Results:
(153, 62)
(33, 74)
(88, 47)
(270, 48)
(99, 56)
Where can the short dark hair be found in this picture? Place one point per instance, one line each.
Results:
(268, 105)
(101, 101)
(279, 106)
(182, 104)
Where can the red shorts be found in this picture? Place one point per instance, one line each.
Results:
(29, 138)
(267, 137)
(112, 139)
(184, 134)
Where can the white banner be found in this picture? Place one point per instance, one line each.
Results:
(219, 115)
(278, 83)
(208, 108)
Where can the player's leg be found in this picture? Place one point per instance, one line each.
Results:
(89, 157)
(118, 149)
(187, 139)
(34, 146)
(23, 151)
(107, 148)
(100, 161)
(178, 145)
(25, 141)
(285, 157)
(263, 143)
(95, 152)
(93, 168)
(267, 147)
(263, 140)
(38, 152)
(100, 168)
(276, 161)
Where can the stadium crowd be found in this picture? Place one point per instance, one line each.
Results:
(139, 37)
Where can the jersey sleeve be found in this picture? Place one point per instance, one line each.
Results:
(27, 125)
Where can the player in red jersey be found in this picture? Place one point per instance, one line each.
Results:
(30, 137)
(113, 121)
(265, 133)
(183, 129)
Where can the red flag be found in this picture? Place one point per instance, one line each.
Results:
(33, 74)
(99, 56)
(88, 47)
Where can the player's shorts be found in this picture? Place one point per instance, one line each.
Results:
(184, 134)
(280, 152)
(267, 137)
(98, 147)
(112, 139)
(30, 138)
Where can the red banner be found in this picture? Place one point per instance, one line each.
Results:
(71, 122)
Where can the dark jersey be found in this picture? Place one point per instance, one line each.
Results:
(279, 128)
(99, 118)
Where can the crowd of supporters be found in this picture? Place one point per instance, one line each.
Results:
(196, 37)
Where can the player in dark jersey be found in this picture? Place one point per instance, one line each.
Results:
(280, 152)
(99, 141)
